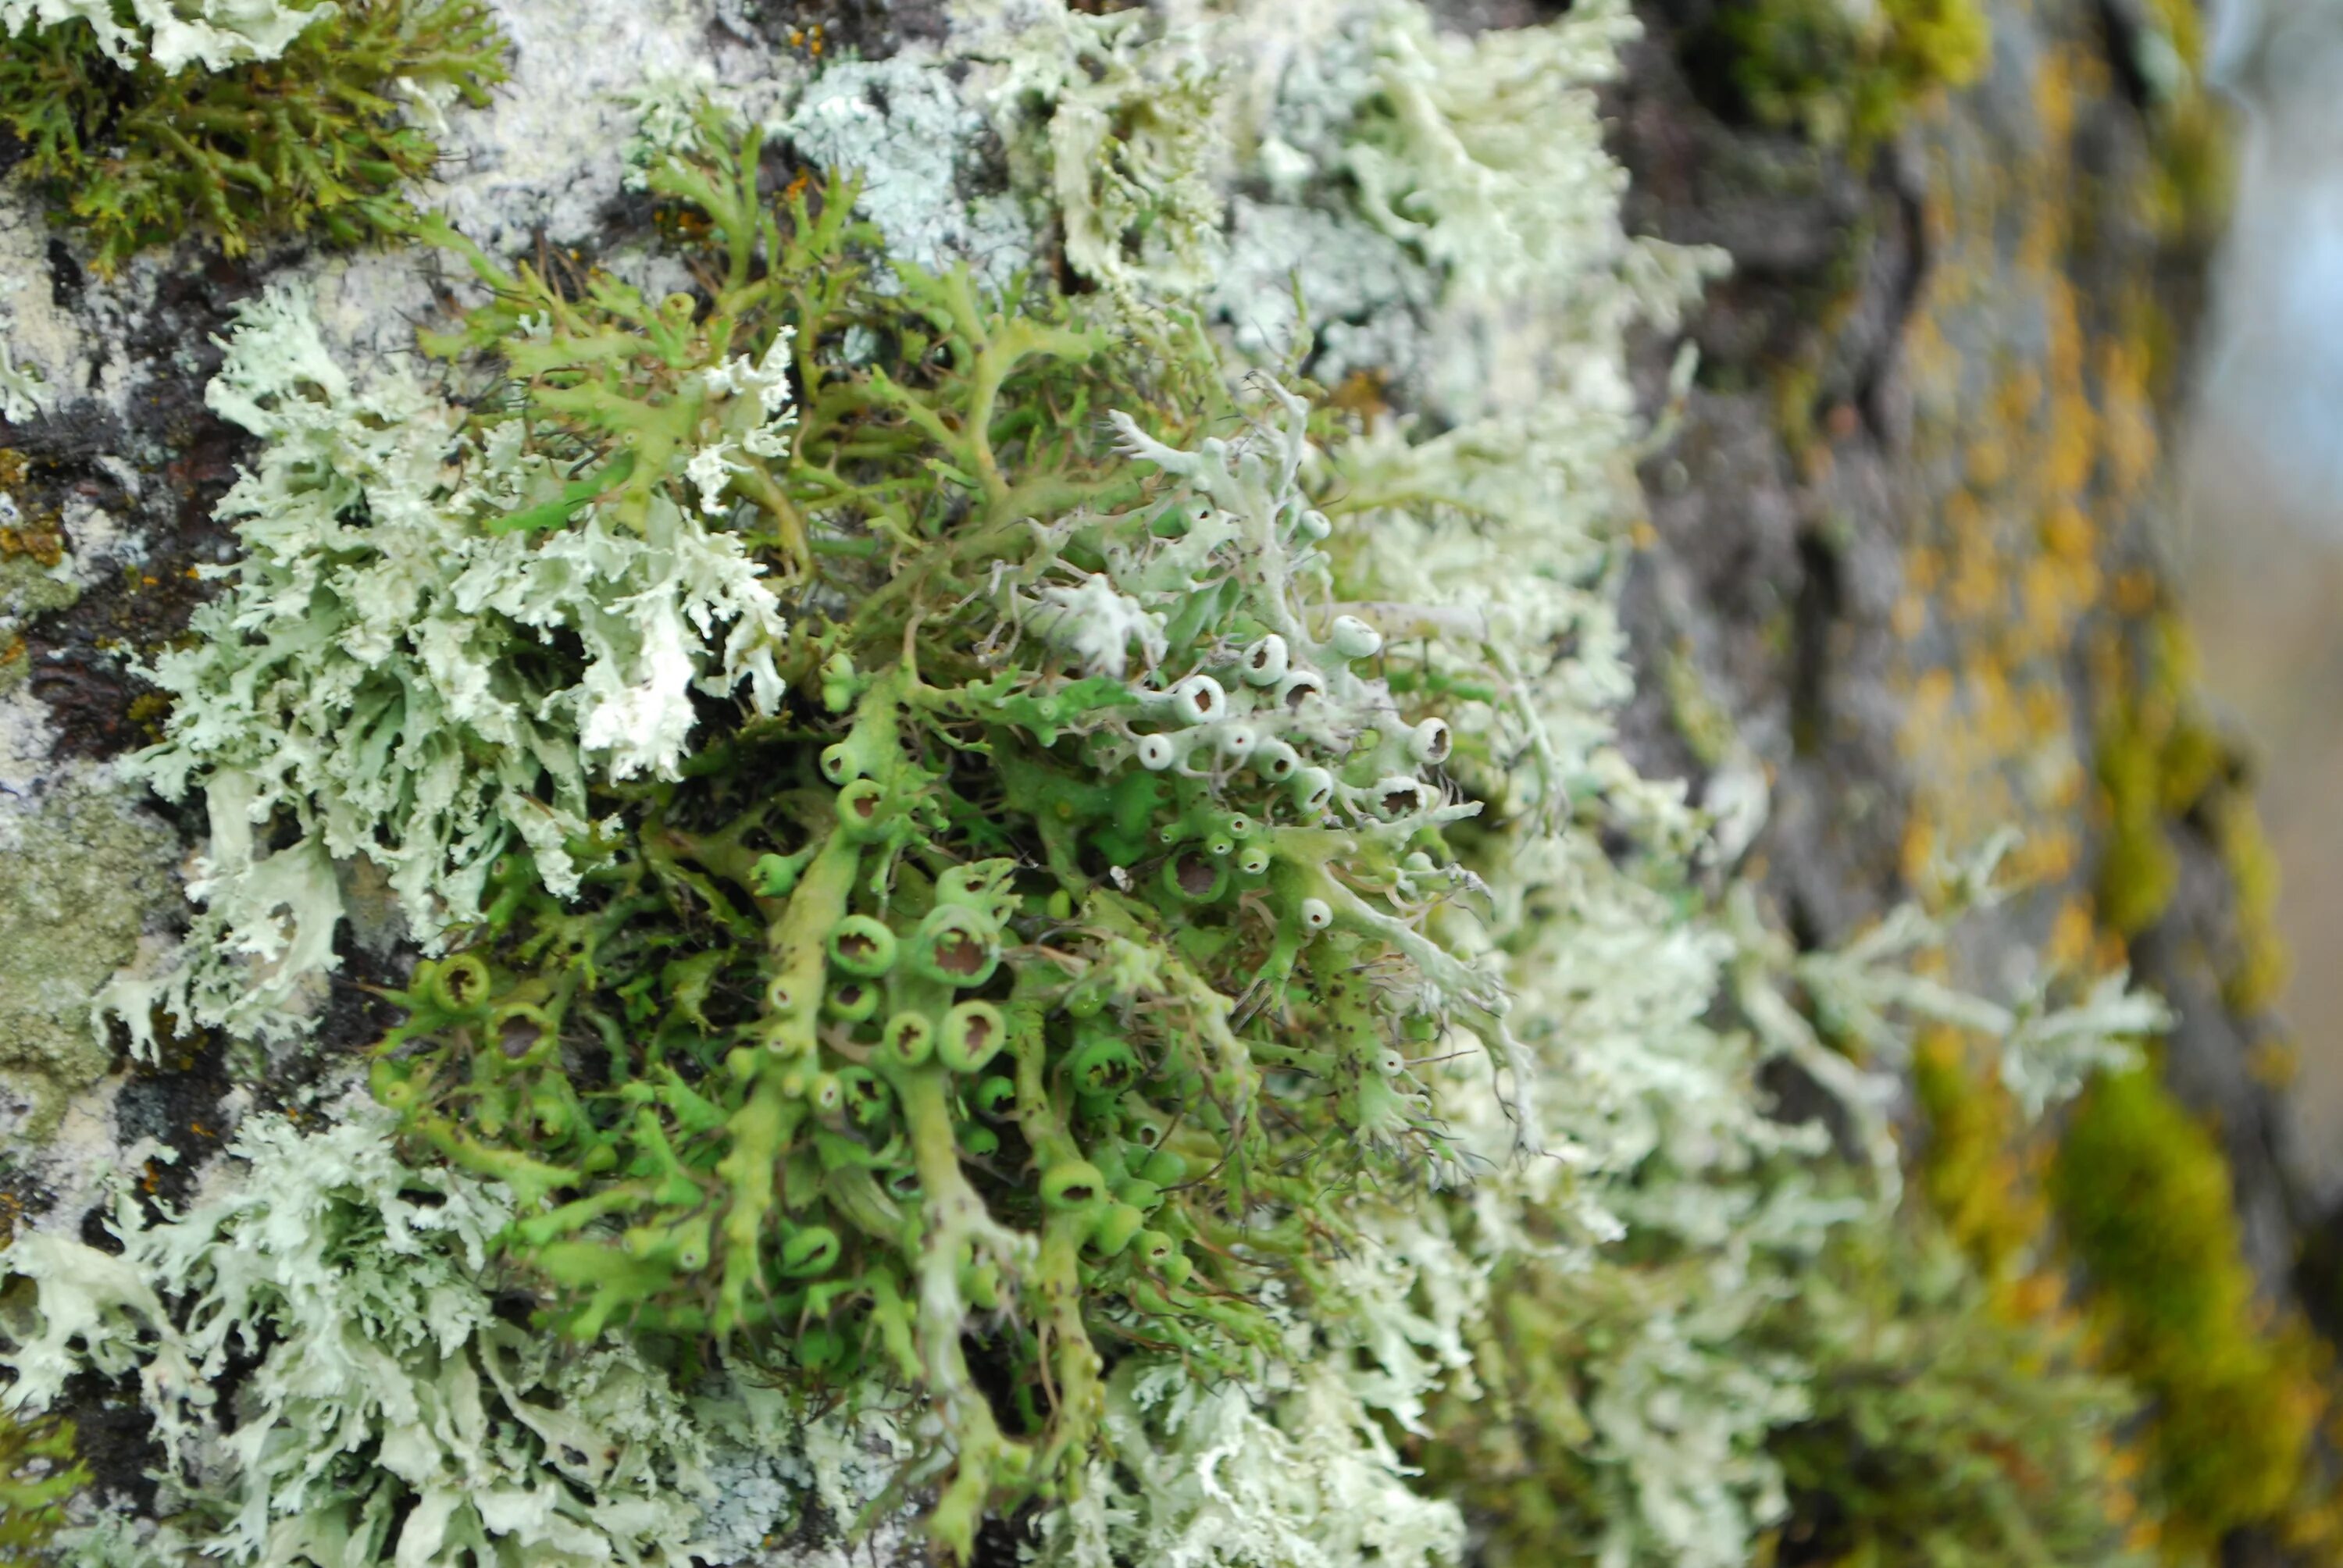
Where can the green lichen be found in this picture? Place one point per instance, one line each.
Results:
(1847, 75)
(1053, 961)
(2142, 1193)
(317, 136)
(37, 1474)
(83, 870)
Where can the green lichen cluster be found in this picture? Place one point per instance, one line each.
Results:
(37, 1474)
(2142, 1194)
(319, 140)
(1847, 76)
(1043, 974)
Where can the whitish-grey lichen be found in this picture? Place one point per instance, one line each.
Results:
(548, 160)
(391, 672)
(174, 34)
(386, 1408)
(904, 129)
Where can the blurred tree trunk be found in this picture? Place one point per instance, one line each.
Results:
(1907, 542)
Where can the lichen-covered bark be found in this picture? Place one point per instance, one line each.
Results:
(1899, 565)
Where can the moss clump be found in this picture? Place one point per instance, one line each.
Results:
(2156, 760)
(319, 140)
(1846, 75)
(1943, 1433)
(37, 1474)
(2162, 767)
(2142, 1193)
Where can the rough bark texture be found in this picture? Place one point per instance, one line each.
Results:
(1901, 542)
(1907, 535)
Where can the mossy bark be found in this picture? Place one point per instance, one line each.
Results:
(1906, 540)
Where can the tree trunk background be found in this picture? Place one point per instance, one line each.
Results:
(1903, 542)
(1911, 531)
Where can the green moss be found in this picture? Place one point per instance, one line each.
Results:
(1973, 1167)
(1847, 76)
(1943, 1433)
(2162, 764)
(76, 885)
(2143, 1195)
(37, 1474)
(2262, 962)
(2156, 760)
(318, 141)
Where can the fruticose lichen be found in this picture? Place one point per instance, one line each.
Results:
(248, 118)
(978, 863)
(386, 1406)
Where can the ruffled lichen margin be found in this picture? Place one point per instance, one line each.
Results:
(1021, 902)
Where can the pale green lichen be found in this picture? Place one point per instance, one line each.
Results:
(82, 870)
(386, 1408)
(413, 685)
(1112, 126)
(174, 34)
(1222, 1476)
(1414, 187)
